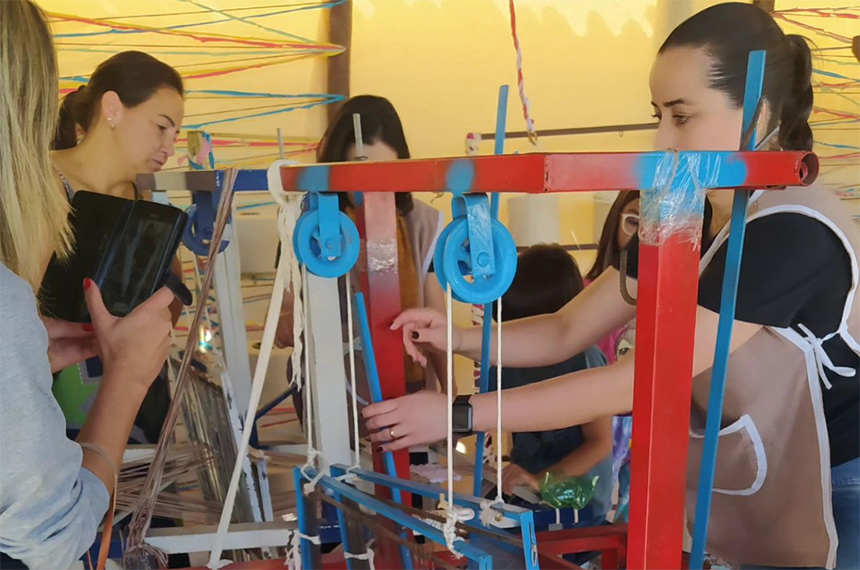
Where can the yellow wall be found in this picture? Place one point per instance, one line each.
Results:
(586, 63)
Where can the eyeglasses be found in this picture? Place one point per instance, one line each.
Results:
(630, 223)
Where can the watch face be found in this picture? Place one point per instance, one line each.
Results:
(462, 418)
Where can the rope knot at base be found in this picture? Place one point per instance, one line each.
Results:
(368, 555)
(490, 516)
(453, 515)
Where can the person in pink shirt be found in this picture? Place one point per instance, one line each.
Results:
(622, 223)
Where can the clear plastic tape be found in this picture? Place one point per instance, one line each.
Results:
(674, 204)
(382, 255)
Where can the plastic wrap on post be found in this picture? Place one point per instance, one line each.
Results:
(381, 255)
(567, 492)
(673, 204)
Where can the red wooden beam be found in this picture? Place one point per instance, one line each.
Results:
(539, 173)
(575, 540)
(665, 328)
(377, 225)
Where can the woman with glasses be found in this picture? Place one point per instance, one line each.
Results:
(622, 224)
(787, 481)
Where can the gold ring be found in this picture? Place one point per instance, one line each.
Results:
(391, 434)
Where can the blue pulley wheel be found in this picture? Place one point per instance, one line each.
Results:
(197, 236)
(309, 250)
(457, 264)
(296, 249)
(439, 259)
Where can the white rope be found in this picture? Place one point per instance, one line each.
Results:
(490, 516)
(352, 382)
(312, 452)
(312, 539)
(294, 549)
(289, 212)
(368, 555)
(449, 529)
(256, 391)
(453, 515)
(289, 209)
(499, 401)
(294, 558)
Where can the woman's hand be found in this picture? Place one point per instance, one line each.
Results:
(416, 419)
(516, 476)
(135, 347)
(69, 343)
(424, 329)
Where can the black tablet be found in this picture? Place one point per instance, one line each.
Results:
(125, 246)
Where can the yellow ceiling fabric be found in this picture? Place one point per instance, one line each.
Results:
(252, 66)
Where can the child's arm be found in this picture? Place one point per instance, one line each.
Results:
(530, 342)
(596, 447)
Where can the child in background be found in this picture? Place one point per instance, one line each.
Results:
(547, 278)
(622, 223)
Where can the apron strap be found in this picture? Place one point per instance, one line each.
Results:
(822, 360)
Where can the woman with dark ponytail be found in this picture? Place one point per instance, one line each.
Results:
(122, 123)
(129, 114)
(787, 485)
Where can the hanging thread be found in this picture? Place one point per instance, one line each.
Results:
(530, 126)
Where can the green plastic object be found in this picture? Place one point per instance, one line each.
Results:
(567, 492)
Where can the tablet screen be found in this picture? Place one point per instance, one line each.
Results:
(139, 261)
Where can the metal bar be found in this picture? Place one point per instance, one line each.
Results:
(575, 540)
(368, 521)
(242, 536)
(571, 172)
(665, 327)
(580, 131)
(400, 517)
(202, 181)
(731, 277)
(328, 376)
(302, 518)
(425, 490)
(487, 324)
(529, 173)
(372, 372)
(237, 419)
(265, 409)
(234, 336)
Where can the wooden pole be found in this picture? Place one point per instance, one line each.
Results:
(766, 5)
(855, 47)
(340, 33)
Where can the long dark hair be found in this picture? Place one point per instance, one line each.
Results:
(547, 279)
(379, 123)
(133, 75)
(729, 32)
(608, 252)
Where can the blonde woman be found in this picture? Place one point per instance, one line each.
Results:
(53, 491)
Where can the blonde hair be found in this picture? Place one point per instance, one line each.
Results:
(33, 210)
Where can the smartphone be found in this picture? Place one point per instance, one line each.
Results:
(125, 246)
